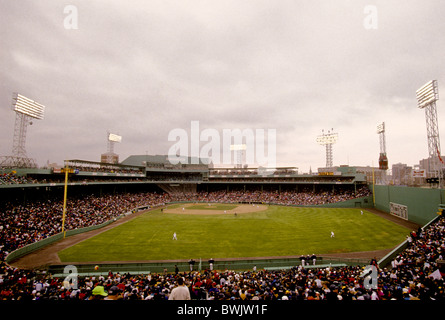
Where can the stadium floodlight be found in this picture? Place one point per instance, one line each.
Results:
(110, 156)
(328, 139)
(28, 107)
(427, 96)
(25, 110)
(238, 147)
(114, 137)
(381, 128)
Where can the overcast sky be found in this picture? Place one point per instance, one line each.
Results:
(144, 68)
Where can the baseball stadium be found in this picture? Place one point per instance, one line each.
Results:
(219, 191)
(96, 230)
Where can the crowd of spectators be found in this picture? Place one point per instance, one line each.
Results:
(293, 197)
(108, 169)
(313, 179)
(12, 178)
(253, 171)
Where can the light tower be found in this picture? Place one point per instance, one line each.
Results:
(427, 96)
(383, 159)
(25, 111)
(328, 139)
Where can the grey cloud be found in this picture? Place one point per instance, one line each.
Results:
(295, 66)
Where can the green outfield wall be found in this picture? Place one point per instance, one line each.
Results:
(422, 203)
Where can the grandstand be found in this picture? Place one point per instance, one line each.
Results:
(157, 171)
(31, 209)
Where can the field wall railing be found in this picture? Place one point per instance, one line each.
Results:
(220, 265)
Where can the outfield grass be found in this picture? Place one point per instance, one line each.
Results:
(277, 231)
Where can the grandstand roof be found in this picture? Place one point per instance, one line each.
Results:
(142, 160)
(96, 163)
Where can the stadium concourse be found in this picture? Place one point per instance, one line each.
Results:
(413, 274)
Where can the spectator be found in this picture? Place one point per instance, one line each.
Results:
(191, 264)
(181, 292)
